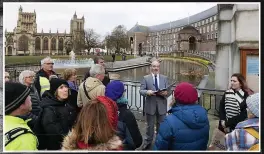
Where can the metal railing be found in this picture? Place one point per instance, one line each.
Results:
(202, 54)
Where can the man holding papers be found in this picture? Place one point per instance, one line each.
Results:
(154, 87)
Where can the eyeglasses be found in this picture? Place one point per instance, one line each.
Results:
(30, 77)
(49, 63)
(7, 77)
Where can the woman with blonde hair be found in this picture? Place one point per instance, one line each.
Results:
(95, 128)
(70, 76)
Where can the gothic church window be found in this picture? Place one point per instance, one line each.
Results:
(23, 43)
(46, 44)
(61, 44)
(53, 44)
(37, 43)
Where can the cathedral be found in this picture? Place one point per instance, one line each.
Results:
(25, 40)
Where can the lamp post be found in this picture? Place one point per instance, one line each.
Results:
(135, 45)
(142, 47)
(157, 52)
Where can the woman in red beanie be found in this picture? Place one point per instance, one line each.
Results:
(187, 127)
(95, 129)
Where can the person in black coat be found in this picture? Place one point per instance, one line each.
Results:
(99, 60)
(115, 90)
(232, 109)
(58, 116)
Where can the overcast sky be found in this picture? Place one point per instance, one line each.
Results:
(102, 17)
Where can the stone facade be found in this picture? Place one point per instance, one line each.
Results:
(238, 34)
(1, 46)
(25, 40)
(198, 32)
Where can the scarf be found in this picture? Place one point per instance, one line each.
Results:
(233, 99)
(122, 100)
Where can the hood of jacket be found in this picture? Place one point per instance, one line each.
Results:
(49, 99)
(92, 83)
(194, 116)
(70, 143)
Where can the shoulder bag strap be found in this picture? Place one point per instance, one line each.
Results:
(85, 91)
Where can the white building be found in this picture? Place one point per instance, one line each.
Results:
(238, 44)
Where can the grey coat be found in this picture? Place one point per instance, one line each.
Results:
(153, 101)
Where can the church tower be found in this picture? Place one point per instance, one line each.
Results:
(77, 25)
(26, 22)
(77, 32)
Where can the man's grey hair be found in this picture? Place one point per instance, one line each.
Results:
(155, 61)
(45, 60)
(96, 69)
(25, 74)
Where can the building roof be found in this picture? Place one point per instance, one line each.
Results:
(178, 23)
(138, 28)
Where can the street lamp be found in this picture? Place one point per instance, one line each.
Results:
(157, 52)
(135, 45)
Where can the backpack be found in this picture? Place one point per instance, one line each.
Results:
(39, 130)
(254, 133)
(124, 134)
(12, 134)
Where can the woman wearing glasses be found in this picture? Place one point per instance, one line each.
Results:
(27, 78)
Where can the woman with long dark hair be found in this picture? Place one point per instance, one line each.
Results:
(233, 105)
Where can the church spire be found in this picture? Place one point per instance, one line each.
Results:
(75, 16)
(20, 9)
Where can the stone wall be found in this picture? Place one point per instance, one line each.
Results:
(238, 29)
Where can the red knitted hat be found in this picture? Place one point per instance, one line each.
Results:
(185, 93)
(111, 108)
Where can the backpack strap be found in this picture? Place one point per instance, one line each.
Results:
(252, 132)
(85, 91)
(14, 133)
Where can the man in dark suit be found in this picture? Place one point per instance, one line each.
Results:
(156, 102)
(99, 60)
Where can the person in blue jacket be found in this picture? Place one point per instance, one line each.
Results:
(187, 126)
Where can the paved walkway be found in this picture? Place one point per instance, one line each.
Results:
(130, 62)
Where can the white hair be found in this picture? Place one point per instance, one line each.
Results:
(46, 59)
(96, 69)
(25, 74)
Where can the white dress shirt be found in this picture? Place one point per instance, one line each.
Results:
(153, 76)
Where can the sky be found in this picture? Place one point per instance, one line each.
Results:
(102, 17)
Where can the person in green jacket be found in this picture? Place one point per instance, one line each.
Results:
(18, 135)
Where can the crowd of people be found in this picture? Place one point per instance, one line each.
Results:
(46, 112)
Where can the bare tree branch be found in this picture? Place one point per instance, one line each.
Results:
(91, 39)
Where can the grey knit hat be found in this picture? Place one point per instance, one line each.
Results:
(253, 104)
